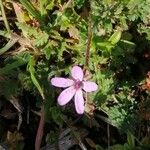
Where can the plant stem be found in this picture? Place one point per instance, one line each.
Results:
(87, 55)
(4, 16)
(40, 130)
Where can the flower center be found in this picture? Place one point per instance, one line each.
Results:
(77, 84)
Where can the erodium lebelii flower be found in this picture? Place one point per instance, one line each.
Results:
(74, 88)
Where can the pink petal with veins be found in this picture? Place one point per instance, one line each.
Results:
(66, 95)
(61, 82)
(77, 73)
(89, 86)
(79, 102)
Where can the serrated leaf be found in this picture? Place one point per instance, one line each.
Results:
(41, 39)
(27, 30)
(62, 20)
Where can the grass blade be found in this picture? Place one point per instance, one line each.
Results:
(33, 78)
(4, 16)
(31, 9)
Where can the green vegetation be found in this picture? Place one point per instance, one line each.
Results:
(109, 39)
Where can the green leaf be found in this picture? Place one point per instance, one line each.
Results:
(33, 78)
(56, 115)
(98, 147)
(8, 87)
(62, 20)
(47, 51)
(62, 49)
(42, 7)
(79, 3)
(50, 5)
(41, 39)
(10, 67)
(105, 46)
(127, 147)
(5, 34)
(117, 147)
(114, 39)
(27, 30)
(131, 140)
(128, 42)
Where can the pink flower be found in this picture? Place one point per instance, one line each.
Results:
(74, 88)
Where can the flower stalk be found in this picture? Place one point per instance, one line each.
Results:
(87, 55)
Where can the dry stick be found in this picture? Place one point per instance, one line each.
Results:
(15, 103)
(39, 134)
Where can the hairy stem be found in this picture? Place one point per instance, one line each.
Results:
(87, 55)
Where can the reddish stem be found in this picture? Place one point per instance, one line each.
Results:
(39, 134)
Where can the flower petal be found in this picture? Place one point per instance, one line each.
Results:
(77, 73)
(66, 95)
(79, 102)
(89, 86)
(61, 82)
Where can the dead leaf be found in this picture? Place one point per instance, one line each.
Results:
(73, 32)
(90, 142)
(18, 11)
(13, 139)
(89, 108)
(146, 85)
